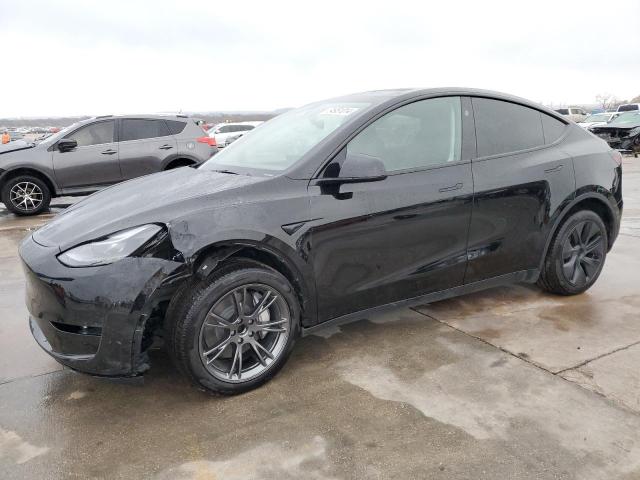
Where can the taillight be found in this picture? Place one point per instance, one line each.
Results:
(617, 157)
(211, 141)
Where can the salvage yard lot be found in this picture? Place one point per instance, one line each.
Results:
(507, 383)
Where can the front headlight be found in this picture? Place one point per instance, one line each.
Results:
(107, 250)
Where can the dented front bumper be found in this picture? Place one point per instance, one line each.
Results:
(93, 319)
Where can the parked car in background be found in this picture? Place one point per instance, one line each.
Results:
(622, 133)
(629, 107)
(232, 138)
(16, 135)
(95, 153)
(224, 130)
(598, 119)
(577, 114)
(316, 218)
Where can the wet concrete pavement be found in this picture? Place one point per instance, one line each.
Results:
(507, 383)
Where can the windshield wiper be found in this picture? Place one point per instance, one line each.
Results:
(226, 171)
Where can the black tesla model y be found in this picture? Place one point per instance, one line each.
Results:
(318, 217)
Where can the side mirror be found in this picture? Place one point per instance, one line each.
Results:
(67, 144)
(355, 168)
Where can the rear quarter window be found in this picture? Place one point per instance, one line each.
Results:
(505, 127)
(175, 126)
(552, 128)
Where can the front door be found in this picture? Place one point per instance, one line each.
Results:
(94, 162)
(405, 236)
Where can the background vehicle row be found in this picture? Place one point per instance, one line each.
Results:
(96, 153)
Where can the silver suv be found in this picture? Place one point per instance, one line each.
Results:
(95, 153)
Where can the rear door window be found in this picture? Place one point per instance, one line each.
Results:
(505, 127)
(94, 134)
(138, 129)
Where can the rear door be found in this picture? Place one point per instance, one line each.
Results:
(520, 178)
(94, 162)
(404, 236)
(146, 145)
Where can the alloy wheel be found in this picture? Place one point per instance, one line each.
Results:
(26, 196)
(582, 253)
(244, 333)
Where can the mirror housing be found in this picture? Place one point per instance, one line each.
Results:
(356, 168)
(66, 144)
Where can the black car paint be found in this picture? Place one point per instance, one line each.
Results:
(413, 237)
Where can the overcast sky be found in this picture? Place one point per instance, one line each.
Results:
(81, 57)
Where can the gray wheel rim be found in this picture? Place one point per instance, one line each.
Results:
(26, 196)
(244, 333)
(582, 253)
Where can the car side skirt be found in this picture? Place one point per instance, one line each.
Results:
(522, 276)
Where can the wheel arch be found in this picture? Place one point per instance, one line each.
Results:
(593, 201)
(179, 160)
(16, 172)
(209, 258)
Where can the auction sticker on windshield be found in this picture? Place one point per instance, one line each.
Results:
(339, 111)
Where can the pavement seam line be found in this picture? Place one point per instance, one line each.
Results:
(606, 354)
(540, 367)
(26, 377)
(613, 402)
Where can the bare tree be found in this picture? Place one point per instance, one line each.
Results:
(635, 99)
(606, 101)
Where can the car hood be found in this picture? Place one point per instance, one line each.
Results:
(612, 128)
(15, 146)
(158, 198)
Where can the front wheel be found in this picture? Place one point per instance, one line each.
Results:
(234, 330)
(26, 195)
(576, 255)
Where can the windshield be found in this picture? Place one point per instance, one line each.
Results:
(281, 142)
(631, 119)
(598, 117)
(628, 108)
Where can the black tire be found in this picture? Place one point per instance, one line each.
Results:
(576, 255)
(190, 307)
(41, 194)
(179, 163)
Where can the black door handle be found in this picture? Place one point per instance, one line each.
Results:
(166, 147)
(554, 169)
(109, 152)
(451, 188)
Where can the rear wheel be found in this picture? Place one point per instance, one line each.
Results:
(234, 330)
(576, 255)
(26, 195)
